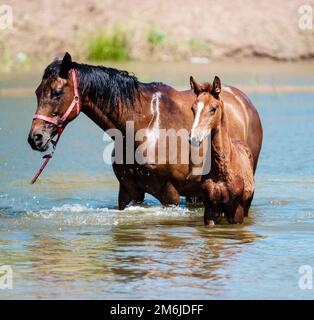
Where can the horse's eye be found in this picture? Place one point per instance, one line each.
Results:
(56, 93)
(213, 110)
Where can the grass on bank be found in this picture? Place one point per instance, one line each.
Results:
(200, 46)
(155, 37)
(114, 44)
(109, 45)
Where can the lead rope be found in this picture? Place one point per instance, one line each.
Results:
(47, 156)
(59, 124)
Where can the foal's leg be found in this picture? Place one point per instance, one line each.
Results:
(212, 214)
(248, 205)
(236, 214)
(239, 215)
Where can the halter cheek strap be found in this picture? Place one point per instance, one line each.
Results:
(59, 123)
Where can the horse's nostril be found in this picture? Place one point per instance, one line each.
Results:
(38, 137)
(37, 141)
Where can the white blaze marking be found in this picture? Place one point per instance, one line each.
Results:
(153, 133)
(154, 109)
(200, 107)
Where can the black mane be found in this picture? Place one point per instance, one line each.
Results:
(106, 87)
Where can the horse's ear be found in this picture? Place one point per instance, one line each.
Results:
(66, 66)
(216, 87)
(195, 86)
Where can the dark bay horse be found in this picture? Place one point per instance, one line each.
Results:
(110, 98)
(229, 186)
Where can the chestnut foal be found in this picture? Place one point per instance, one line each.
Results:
(229, 186)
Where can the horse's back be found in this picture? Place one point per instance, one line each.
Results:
(244, 122)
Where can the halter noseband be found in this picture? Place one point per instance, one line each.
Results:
(59, 123)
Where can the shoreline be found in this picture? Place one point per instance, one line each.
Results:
(252, 76)
(249, 89)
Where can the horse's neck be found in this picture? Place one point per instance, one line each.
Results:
(97, 116)
(221, 147)
(144, 112)
(108, 120)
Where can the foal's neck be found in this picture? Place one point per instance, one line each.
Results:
(220, 146)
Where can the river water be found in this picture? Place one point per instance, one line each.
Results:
(64, 237)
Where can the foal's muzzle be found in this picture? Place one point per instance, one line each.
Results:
(194, 141)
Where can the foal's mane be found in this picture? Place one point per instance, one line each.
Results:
(105, 87)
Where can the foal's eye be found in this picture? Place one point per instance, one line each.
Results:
(56, 93)
(213, 110)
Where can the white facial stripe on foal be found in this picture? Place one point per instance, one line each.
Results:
(200, 107)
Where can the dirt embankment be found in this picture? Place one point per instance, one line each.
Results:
(162, 30)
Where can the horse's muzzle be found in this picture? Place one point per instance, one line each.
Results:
(38, 141)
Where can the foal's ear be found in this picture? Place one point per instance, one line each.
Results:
(195, 86)
(216, 87)
(66, 66)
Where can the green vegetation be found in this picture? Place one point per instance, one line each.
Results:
(111, 45)
(115, 45)
(155, 37)
(5, 63)
(200, 46)
(8, 63)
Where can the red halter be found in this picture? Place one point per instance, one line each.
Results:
(58, 123)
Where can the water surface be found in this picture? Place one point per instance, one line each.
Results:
(65, 238)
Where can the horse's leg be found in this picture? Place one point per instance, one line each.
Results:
(128, 190)
(207, 216)
(235, 213)
(239, 214)
(168, 195)
(248, 205)
(212, 214)
(124, 197)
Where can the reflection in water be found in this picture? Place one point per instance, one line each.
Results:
(169, 253)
